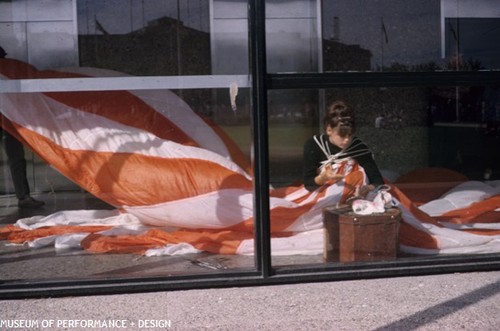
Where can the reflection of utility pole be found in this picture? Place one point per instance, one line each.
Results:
(336, 29)
(383, 40)
(456, 65)
(143, 16)
(455, 58)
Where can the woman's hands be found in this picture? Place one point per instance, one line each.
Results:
(326, 175)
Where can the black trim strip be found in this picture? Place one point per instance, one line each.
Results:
(381, 79)
(284, 275)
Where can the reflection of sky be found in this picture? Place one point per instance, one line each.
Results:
(477, 38)
(413, 32)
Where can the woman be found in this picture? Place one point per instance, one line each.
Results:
(324, 154)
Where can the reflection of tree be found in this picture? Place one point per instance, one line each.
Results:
(459, 64)
(452, 65)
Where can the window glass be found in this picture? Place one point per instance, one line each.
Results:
(423, 159)
(292, 36)
(136, 121)
(121, 137)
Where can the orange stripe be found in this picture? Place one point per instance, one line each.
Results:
(214, 241)
(409, 236)
(8, 230)
(15, 69)
(97, 243)
(219, 242)
(17, 235)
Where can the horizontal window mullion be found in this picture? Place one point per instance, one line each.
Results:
(381, 79)
(122, 83)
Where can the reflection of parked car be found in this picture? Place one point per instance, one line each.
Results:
(491, 103)
(467, 130)
(491, 115)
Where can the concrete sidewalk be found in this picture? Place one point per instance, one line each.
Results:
(465, 301)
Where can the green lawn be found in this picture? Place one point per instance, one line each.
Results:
(284, 141)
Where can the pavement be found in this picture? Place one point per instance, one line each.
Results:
(460, 301)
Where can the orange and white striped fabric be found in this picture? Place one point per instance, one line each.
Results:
(177, 182)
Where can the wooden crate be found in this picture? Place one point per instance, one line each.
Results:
(351, 237)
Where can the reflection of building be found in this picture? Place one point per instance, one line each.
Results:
(340, 57)
(42, 33)
(471, 29)
(163, 47)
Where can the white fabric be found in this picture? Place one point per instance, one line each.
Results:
(177, 249)
(450, 241)
(307, 241)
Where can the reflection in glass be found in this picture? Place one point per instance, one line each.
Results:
(293, 117)
(292, 36)
(423, 157)
(41, 33)
(145, 38)
(396, 36)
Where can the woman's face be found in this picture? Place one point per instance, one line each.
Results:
(336, 139)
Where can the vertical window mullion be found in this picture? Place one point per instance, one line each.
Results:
(260, 136)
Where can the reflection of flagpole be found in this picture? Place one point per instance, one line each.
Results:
(142, 13)
(99, 27)
(456, 63)
(383, 40)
